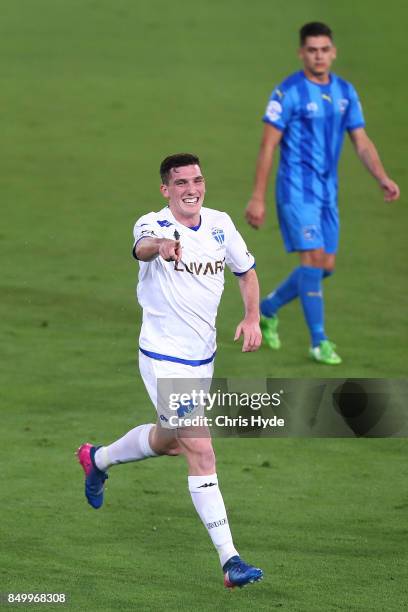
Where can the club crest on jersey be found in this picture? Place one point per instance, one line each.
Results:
(312, 107)
(343, 104)
(218, 235)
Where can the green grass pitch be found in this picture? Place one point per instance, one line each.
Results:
(94, 95)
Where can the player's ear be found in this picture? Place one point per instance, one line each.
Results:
(164, 190)
(334, 52)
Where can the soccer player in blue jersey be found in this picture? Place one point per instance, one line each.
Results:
(308, 115)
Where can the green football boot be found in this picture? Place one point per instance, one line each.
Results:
(325, 353)
(269, 327)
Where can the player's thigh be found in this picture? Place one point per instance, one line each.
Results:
(331, 230)
(175, 389)
(300, 226)
(149, 377)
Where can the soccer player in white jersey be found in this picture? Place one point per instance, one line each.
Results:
(183, 250)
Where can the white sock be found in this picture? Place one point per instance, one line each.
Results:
(209, 504)
(133, 446)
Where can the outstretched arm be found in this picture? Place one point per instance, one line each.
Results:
(256, 209)
(148, 249)
(368, 154)
(249, 326)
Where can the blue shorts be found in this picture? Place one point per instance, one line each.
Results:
(309, 226)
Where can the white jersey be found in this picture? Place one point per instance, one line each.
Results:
(180, 300)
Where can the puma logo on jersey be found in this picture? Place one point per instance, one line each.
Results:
(202, 268)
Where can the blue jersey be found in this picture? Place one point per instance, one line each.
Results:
(313, 119)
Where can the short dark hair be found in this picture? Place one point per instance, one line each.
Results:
(314, 28)
(176, 161)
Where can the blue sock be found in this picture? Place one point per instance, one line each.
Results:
(310, 293)
(286, 292)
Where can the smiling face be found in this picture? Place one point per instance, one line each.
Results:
(185, 192)
(317, 54)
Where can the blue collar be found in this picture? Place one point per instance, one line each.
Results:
(196, 227)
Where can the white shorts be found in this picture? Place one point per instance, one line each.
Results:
(166, 383)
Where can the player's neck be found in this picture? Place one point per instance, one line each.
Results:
(187, 221)
(320, 79)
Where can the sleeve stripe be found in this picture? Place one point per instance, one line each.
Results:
(134, 246)
(276, 125)
(242, 273)
(356, 126)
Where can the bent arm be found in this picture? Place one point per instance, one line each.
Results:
(255, 211)
(368, 154)
(249, 326)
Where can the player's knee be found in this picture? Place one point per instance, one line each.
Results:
(163, 442)
(172, 448)
(318, 260)
(206, 461)
(174, 452)
(329, 265)
(204, 457)
(313, 258)
(200, 454)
